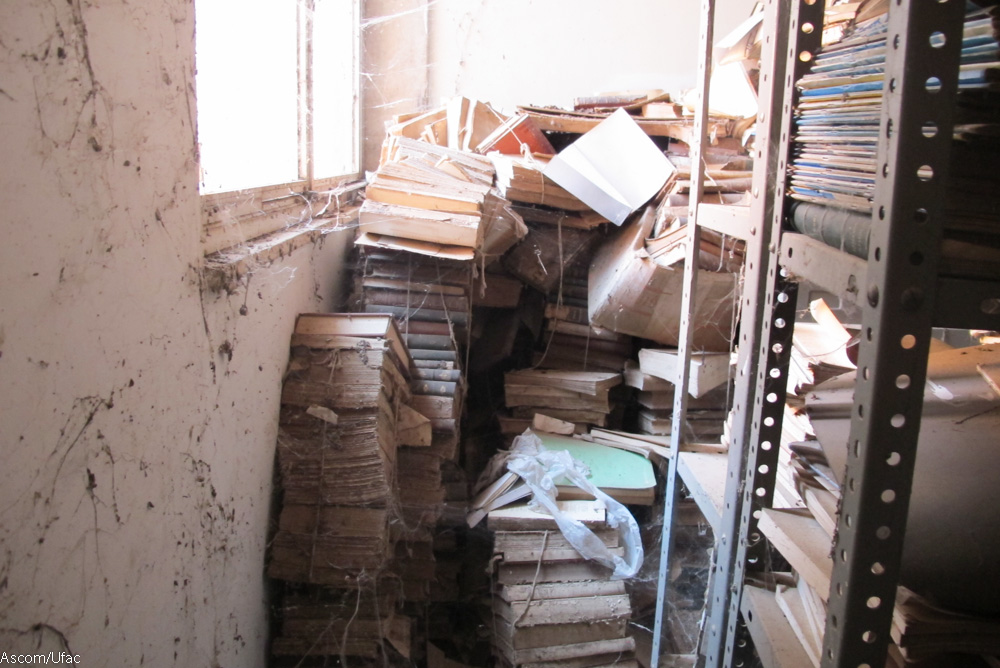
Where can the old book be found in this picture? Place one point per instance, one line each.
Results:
(520, 179)
(575, 217)
(481, 120)
(706, 371)
(412, 427)
(421, 224)
(546, 252)
(632, 294)
(597, 418)
(584, 382)
(562, 590)
(550, 635)
(585, 331)
(358, 325)
(385, 297)
(522, 518)
(563, 610)
(563, 572)
(554, 398)
(423, 196)
(614, 647)
(514, 136)
(503, 226)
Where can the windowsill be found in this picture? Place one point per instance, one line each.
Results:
(226, 269)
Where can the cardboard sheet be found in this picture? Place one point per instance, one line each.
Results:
(614, 169)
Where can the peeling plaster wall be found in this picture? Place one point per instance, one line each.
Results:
(547, 52)
(137, 413)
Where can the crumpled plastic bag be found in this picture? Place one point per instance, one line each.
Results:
(540, 468)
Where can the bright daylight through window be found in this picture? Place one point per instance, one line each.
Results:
(277, 89)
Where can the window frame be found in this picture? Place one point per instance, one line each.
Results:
(234, 217)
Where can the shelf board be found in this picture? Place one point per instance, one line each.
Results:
(803, 542)
(824, 266)
(961, 303)
(731, 220)
(704, 474)
(773, 637)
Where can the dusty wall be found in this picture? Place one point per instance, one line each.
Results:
(137, 413)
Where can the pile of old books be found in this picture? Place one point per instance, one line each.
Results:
(473, 211)
(429, 298)
(433, 195)
(552, 607)
(655, 377)
(347, 384)
(551, 604)
(582, 397)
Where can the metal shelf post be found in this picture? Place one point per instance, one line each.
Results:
(921, 82)
(788, 30)
(693, 242)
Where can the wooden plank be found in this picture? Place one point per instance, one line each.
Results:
(773, 638)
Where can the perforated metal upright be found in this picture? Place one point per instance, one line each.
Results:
(788, 29)
(921, 80)
(693, 242)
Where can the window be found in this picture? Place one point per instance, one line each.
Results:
(278, 108)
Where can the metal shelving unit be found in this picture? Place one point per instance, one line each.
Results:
(901, 297)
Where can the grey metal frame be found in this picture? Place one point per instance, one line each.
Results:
(687, 309)
(897, 294)
(896, 328)
(723, 637)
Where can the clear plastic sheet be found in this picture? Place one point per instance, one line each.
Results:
(540, 469)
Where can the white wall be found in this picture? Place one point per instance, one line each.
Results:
(135, 458)
(547, 52)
